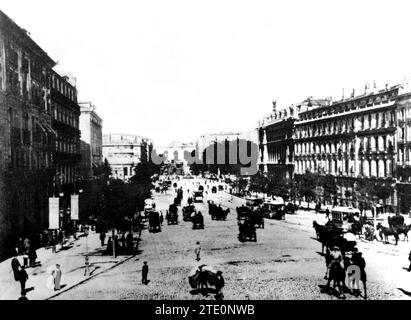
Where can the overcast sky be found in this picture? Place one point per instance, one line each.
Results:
(172, 70)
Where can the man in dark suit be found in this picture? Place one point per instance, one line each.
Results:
(144, 273)
(15, 265)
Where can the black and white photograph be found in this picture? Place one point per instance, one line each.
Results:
(205, 151)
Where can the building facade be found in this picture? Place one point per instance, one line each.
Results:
(65, 122)
(355, 140)
(174, 155)
(91, 125)
(26, 135)
(123, 152)
(403, 165)
(275, 142)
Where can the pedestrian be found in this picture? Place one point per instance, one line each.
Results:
(129, 241)
(358, 260)
(109, 249)
(57, 277)
(60, 238)
(197, 251)
(219, 284)
(102, 237)
(144, 273)
(123, 242)
(409, 259)
(23, 277)
(116, 245)
(32, 256)
(20, 246)
(327, 214)
(15, 266)
(25, 259)
(87, 266)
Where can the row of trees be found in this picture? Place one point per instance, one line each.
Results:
(312, 187)
(122, 200)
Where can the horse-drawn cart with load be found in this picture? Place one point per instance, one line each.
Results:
(247, 230)
(188, 211)
(217, 212)
(198, 221)
(172, 214)
(154, 222)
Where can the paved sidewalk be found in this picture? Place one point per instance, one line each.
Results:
(72, 263)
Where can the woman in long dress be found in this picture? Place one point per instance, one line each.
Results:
(50, 278)
(57, 277)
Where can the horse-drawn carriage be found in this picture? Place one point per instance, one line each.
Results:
(217, 212)
(149, 206)
(154, 222)
(331, 235)
(247, 230)
(198, 196)
(396, 226)
(172, 214)
(291, 208)
(242, 212)
(198, 221)
(177, 201)
(188, 212)
(273, 210)
(255, 216)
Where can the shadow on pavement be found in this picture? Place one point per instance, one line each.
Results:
(204, 292)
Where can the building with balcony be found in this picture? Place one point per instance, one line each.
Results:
(174, 156)
(275, 142)
(26, 135)
(403, 163)
(91, 138)
(354, 139)
(65, 122)
(123, 152)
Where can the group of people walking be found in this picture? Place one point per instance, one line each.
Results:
(346, 272)
(122, 245)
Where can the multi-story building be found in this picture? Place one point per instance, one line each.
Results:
(91, 138)
(123, 152)
(26, 135)
(353, 139)
(65, 122)
(275, 141)
(209, 139)
(403, 165)
(66, 153)
(174, 156)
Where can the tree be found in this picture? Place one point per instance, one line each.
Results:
(329, 186)
(103, 169)
(306, 185)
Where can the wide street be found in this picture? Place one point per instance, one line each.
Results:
(284, 263)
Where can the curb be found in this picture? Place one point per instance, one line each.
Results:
(89, 278)
(96, 274)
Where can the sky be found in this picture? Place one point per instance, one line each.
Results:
(173, 70)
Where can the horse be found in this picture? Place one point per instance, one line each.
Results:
(404, 229)
(329, 236)
(388, 232)
(318, 229)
